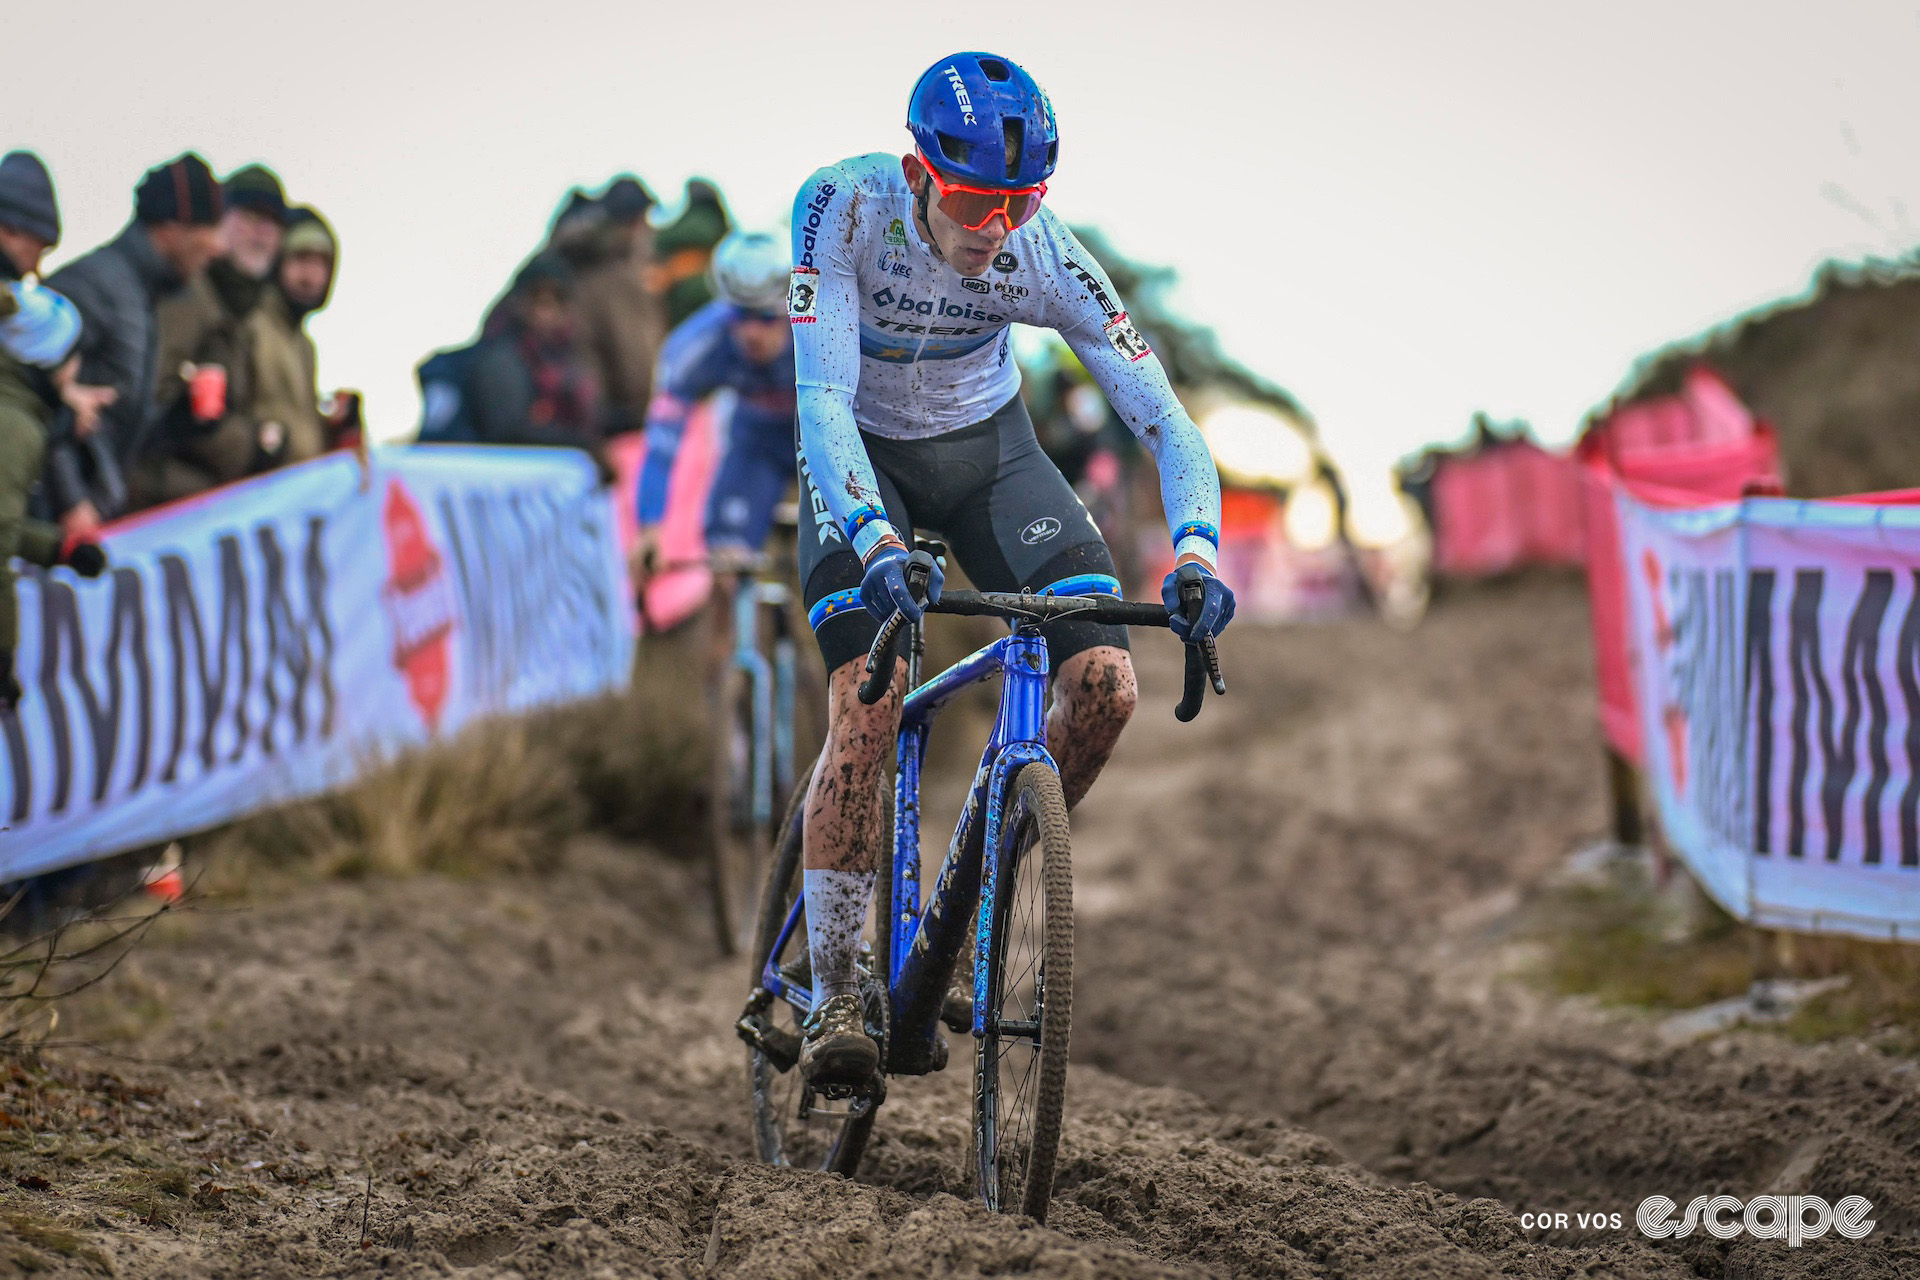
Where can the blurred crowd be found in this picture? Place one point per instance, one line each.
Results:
(171, 359)
(566, 355)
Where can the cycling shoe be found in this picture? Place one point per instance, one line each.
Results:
(838, 1052)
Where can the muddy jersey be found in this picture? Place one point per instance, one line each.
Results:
(890, 340)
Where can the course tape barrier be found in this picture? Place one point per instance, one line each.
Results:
(1775, 648)
(273, 639)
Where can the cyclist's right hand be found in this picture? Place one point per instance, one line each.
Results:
(884, 588)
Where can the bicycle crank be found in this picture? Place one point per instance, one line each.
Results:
(778, 1046)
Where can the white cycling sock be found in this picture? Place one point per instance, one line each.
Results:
(836, 917)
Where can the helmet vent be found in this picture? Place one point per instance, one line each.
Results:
(955, 149)
(995, 70)
(1014, 131)
(1053, 155)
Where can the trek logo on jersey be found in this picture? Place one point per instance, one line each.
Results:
(891, 264)
(803, 291)
(825, 528)
(928, 307)
(974, 286)
(816, 210)
(1125, 339)
(896, 233)
(1088, 279)
(960, 94)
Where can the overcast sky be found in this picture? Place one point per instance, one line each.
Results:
(1404, 212)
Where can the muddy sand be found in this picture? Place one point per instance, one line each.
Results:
(1304, 1044)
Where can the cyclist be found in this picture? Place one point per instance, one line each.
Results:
(742, 341)
(908, 271)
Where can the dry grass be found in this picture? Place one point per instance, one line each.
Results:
(506, 794)
(1629, 946)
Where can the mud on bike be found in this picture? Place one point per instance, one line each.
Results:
(1005, 889)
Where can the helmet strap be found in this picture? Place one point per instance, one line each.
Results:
(921, 199)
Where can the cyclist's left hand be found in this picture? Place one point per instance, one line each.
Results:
(884, 588)
(1216, 610)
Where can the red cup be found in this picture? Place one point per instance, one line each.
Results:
(207, 392)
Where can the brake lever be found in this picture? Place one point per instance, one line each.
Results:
(880, 658)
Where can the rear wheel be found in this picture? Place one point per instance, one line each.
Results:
(739, 843)
(792, 1126)
(1020, 1065)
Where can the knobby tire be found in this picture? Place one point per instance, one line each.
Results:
(1019, 1085)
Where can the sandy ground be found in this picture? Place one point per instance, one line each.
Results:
(1301, 1048)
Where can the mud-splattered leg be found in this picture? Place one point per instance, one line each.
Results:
(844, 835)
(1093, 697)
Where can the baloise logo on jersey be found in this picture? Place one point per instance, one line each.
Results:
(928, 307)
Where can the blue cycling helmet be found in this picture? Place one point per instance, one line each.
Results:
(982, 120)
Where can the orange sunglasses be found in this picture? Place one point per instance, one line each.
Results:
(974, 207)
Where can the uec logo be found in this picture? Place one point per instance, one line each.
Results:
(1040, 530)
(1763, 1218)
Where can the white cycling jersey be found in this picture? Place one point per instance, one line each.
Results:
(891, 340)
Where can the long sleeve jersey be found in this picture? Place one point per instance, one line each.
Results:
(891, 340)
(699, 358)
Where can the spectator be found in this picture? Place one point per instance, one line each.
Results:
(528, 384)
(285, 376)
(684, 248)
(38, 332)
(622, 319)
(199, 441)
(117, 288)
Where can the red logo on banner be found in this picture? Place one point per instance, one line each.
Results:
(1672, 716)
(419, 603)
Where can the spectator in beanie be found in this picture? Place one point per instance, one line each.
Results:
(207, 440)
(684, 248)
(117, 288)
(38, 332)
(622, 318)
(29, 229)
(285, 377)
(529, 383)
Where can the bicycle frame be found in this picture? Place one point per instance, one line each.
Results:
(926, 940)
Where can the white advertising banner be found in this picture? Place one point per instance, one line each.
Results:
(1777, 648)
(272, 639)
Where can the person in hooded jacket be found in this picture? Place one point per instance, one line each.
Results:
(529, 383)
(623, 319)
(286, 385)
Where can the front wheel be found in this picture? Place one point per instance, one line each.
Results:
(1020, 1066)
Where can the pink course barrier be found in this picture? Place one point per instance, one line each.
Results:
(1509, 505)
(672, 598)
(1692, 449)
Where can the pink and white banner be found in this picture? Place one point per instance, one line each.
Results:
(272, 639)
(1776, 653)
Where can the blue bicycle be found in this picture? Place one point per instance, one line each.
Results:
(1006, 884)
